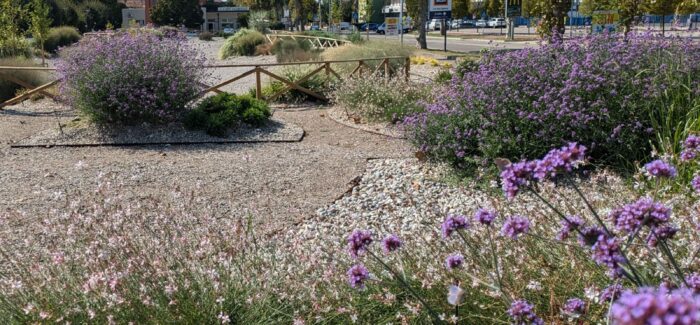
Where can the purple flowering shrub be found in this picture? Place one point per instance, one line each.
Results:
(610, 93)
(131, 77)
(632, 249)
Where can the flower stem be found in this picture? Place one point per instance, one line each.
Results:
(432, 313)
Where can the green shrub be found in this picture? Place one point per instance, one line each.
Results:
(356, 38)
(242, 42)
(9, 89)
(466, 65)
(205, 36)
(59, 37)
(444, 76)
(294, 50)
(368, 50)
(14, 47)
(217, 114)
(318, 83)
(259, 21)
(375, 99)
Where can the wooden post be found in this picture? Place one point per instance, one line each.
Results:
(258, 86)
(386, 68)
(407, 69)
(327, 65)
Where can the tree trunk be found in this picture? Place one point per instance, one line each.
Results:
(423, 13)
(663, 24)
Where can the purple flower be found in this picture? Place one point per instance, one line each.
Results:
(515, 176)
(358, 242)
(357, 275)
(590, 235)
(453, 223)
(606, 252)
(454, 261)
(391, 243)
(695, 183)
(574, 306)
(661, 233)
(515, 226)
(643, 212)
(657, 306)
(571, 223)
(691, 145)
(611, 293)
(560, 160)
(523, 313)
(660, 168)
(485, 217)
(693, 280)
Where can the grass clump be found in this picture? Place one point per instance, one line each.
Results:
(375, 99)
(10, 89)
(368, 50)
(243, 42)
(217, 114)
(294, 50)
(59, 37)
(318, 83)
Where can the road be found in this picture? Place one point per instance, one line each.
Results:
(457, 44)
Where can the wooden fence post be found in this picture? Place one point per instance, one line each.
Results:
(407, 69)
(258, 85)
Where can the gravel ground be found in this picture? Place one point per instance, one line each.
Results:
(274, 183)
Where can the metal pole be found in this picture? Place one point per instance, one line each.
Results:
(444, 30)
(401, 21)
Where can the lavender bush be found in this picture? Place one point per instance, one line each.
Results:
(131, 77)
(612, 93)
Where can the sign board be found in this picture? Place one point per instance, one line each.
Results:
(440, 14)
(604, 20)
(515, 8)
(392, 25)
(440, 5)
(232, 9)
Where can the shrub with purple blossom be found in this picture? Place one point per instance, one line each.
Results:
(657, 306)
(131, 77)
(660, 169)
(523, 313)
(515, 226)
(602, 90)
(574, 306)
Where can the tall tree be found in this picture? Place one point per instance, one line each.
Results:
(553, 13)
(495, 8)
(419, 10)
(663, 8)
(177, 12)
(40, 24)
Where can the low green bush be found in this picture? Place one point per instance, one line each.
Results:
(318, 83)
(14, 47)
(443, 76)
(466, 65)
(356, 38)
(242, 42)
(217, 114)
(9, 89)
(294, 50)
(205, 36)
(376, 99)
(60, 37)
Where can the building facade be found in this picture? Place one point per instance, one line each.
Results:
(217, 15)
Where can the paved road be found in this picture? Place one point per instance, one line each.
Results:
(456, 44)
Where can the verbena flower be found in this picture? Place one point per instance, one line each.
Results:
(571, 223)
(693, 281)
(606, 252)
(559, 161)
(523, 313)
(453, 223)
(391, 243)
(590, 235)
(454, 261)
(695, 183)
(358, 242)
(357, 275)
(643, 212)
(659, 168)
(485, 217)
(691, 145)
(660, 233)
(515, 176)
(574, 306)
(515, 226)
(611, 293)
(656, 306)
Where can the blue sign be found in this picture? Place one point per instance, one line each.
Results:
(440, 14)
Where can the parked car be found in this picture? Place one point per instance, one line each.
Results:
(229, 30)
(382, 29)
(370, 26)
(456, 23)
(434, 24)
(467, 23)
(345, 26)
(480, 23)
(497, 22)
(315, 26)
